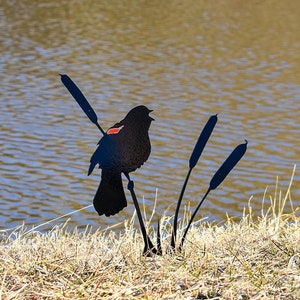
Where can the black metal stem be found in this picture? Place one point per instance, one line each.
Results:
(158, 241)
(174, 232)
(191, 220)
(149, 248)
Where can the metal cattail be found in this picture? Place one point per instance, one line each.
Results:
(200, 145)
(202, 140)
(217, 179)
(81, 100)
(228, 165)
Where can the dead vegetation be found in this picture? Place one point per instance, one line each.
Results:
(257, 257)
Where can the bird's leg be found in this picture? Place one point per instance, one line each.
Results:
(130, 185)
(149, 249)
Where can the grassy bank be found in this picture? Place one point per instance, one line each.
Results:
(257, 257)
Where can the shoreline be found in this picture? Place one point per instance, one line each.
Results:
(255, 258)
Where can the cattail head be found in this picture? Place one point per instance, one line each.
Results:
(228, 165)
(202, 140)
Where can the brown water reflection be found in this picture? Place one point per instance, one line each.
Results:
(184, 59)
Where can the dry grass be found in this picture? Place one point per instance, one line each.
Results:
(255, 258)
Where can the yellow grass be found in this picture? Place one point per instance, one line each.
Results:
(257, 257)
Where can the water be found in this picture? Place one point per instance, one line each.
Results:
(186, 60)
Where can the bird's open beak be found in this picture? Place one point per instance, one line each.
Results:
(151, 110)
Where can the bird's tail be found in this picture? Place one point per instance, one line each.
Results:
(110, 197)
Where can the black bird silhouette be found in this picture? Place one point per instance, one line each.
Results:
(123, 148)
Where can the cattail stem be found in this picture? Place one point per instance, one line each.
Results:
(192, 219)
(174, 232)
(158, 241)
(149, 248)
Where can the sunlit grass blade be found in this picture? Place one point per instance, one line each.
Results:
(217, 179)
(198, 149)
(80, 99)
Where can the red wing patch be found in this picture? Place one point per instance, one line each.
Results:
(114, 130)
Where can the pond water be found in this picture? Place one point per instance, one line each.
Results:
(186, 60)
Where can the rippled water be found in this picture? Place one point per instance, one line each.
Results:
(186, 60)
